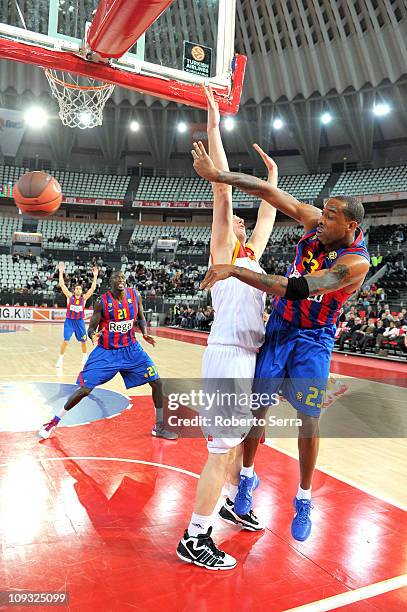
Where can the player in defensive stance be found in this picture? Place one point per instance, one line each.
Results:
(118, 351)
(236, 335)
(75, 314)
(331, 263)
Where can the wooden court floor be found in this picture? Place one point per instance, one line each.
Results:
(97, 510)
(376, 465)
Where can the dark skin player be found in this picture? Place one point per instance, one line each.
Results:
(117, 289)
(335, 229)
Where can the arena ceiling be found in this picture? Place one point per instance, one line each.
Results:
(305, 57)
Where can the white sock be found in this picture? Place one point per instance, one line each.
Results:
(199, 524)
(232, 491)
(304, 493)
(247, 471)
(62, 413)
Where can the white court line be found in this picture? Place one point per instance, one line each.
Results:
(331, 603)
(22, 348)
(162, 465)
(341, 478)
(337, 601)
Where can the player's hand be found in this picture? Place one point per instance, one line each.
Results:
(203, 164)
(95, 271)
(270, 165)
(95, 337)
(213, 107)
(215, 274)
(61, 267)
(149, 339)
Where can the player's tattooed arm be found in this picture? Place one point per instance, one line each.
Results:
(265, 282)
(350, 272)
(305, 214)
(328, 280)
(93, 334)
(142, 323)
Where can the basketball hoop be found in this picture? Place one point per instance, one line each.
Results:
(81, 99)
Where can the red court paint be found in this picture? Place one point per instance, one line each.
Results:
(107, 530)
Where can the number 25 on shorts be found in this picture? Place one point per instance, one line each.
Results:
(313, 395)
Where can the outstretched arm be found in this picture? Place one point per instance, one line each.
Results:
(267, 214)
(142, 323)
(305, 214)
(222, 236)
(92, 288)
(95, 321)
(349, 272)
(65, 290)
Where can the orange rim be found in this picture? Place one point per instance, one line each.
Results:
(70, 86)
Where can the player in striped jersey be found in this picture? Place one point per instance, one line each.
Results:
(330, 264)
(75, 314)
(118, 351)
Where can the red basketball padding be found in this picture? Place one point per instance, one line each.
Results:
(37, 194)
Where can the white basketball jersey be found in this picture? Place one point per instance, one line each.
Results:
(239, 308)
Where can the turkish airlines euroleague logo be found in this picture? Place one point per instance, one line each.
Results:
(198, 53)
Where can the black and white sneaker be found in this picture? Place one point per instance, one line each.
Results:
(159, 431)
(249, 521)
(202, 551)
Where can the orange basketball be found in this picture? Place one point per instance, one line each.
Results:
(37, 194)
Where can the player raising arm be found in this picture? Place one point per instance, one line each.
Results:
(229, 356)
(75, 313)
(330, 264)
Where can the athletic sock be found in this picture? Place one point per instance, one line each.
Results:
(247, 471)
(199, 524)
(62, 413)
(159, 415)
(232, 491)
(304, 493)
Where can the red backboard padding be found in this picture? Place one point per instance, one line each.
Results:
(118, 24)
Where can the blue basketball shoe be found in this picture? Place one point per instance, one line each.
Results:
(301, 525)
(244, 498)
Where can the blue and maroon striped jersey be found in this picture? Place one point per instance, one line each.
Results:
(75, 308)
(118, 320)
(318, 310)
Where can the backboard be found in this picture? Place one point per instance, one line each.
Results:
(51, 34)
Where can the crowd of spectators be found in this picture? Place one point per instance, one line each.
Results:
(188, 317)
(45, 278)
(276, 266)
(96, 239)
(378, 329)
(169, 279)
(395, 261)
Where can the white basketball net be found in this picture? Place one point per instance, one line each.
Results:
(81, 99)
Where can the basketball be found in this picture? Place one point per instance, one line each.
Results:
(37, 194)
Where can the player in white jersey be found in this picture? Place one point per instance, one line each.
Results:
(236, 335)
